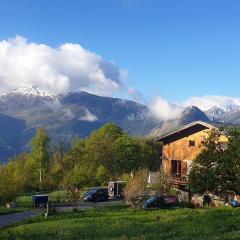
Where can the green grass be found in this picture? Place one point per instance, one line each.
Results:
(120, 223)
(4, 210)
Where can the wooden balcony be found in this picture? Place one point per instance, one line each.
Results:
(176, 179)
(179, 179)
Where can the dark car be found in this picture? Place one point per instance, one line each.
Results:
(96, 194)
(164, 201)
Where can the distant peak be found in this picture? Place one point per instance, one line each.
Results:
(77, 91)
(28, 91)
(192, 109)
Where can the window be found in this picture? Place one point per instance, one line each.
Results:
(191, 143)
(176, 167)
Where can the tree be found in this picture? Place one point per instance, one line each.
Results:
(128, 154)
(39, 155)
(11, 182)
(100, 148)
(80, 176)
(217, 168)
(203, 174)
(102, 175)
(56, 168)
(135, 189)
(73, 195)
(163, 184)
(75, 154)
(151, 151)
(229, 164)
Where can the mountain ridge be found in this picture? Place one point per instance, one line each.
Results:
(78, 113)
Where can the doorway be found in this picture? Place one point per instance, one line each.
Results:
(176, 168)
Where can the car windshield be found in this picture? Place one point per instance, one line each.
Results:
(151, 200)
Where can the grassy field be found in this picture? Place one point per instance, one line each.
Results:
(4, 210)
(122, 223)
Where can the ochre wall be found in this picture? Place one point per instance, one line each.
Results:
(180, 150)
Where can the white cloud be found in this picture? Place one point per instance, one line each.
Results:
(135, 94)
(56, 70)
(163, 110)
(208, 102)
(70, 66)
(90, 117)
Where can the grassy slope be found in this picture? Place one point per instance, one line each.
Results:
(121, 223)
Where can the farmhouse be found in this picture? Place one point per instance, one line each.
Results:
(181, 147)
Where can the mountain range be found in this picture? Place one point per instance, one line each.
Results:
(78, 113)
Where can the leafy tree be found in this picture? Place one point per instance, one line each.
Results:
(217, 168)
(229, 164)
(203, 175)
(151, 151)
(128, 154)
(11, 182)
(75, 154)
(100, 148)
(80, 176)
(102, 175)
(39, 157)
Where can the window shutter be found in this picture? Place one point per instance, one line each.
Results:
(184, 168)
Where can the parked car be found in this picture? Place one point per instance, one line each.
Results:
(96, 194)
(164, 201)
(234, 204)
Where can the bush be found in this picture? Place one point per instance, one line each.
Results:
(135, 190)
(58, 196)
(24, 201)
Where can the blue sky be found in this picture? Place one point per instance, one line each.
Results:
(173, 49)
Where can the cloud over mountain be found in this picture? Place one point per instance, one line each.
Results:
(69, 66)
(208, 102)
(56, 70)
(163, 110)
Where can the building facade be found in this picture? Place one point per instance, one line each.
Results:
(181, 147)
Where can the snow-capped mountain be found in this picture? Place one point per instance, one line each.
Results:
(64, 116)
(78, 113)
(30, 91)
(229, 114)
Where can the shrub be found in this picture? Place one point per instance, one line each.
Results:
(24, 201)
(58, 196)
(135, 190)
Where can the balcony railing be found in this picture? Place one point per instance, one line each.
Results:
(178, 179)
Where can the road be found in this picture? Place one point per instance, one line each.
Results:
(12, 218)
(88, 205)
